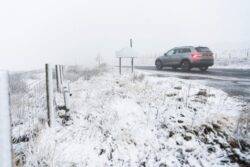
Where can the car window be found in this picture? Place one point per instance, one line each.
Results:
(186, 50)
(176, 51)
(183, 50)
(171, 52)
(202, 49)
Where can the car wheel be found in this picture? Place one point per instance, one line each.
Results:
(158, 65)
(203, 68)
(185, 65)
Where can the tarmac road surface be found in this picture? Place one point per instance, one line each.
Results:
(235, 82)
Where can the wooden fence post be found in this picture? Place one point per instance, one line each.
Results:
(132, 64)
(5, 121)
(61, 67)
(66, 95)
(49, 93)
(120, 65)
(248, 122)
(132, 59)
(61, 75)
(58, 83)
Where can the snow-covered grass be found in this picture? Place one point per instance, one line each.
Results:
(73, 73)
(140, 120)
(232, 58)
(28, 110)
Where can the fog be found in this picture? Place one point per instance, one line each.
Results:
(73, 32)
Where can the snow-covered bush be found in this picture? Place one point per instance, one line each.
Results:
(137, 77)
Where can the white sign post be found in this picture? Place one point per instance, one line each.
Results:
(127, 52)
(5, 128)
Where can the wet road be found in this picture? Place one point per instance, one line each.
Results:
(236, 82)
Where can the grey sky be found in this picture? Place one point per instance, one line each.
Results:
(34, 32)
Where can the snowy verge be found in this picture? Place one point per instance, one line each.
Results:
(142, 120)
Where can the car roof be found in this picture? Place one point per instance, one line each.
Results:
(183, 47)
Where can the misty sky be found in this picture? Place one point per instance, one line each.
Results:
(33, 32)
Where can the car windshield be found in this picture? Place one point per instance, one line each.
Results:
(202, 49)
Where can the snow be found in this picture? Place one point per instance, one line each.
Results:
(139, 119)
(5, 145)
(232, 58)
(126, 52)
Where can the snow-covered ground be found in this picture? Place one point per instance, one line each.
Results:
(232, 58)
(139, 120)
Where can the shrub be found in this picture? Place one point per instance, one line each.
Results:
(73, 73)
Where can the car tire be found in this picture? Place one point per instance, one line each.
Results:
(158, 65)
(185, 65)
(203, 68)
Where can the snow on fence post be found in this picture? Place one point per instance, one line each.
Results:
(5, 128)
(66, 95)
(66, 91)
(49, 94)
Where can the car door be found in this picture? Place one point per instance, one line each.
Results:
(167, 58)
(175, 58)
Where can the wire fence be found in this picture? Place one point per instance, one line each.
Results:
(28, 111)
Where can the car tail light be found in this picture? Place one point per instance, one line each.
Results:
(196, 55)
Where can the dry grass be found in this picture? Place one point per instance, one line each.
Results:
(73, 73)
(17, 83)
